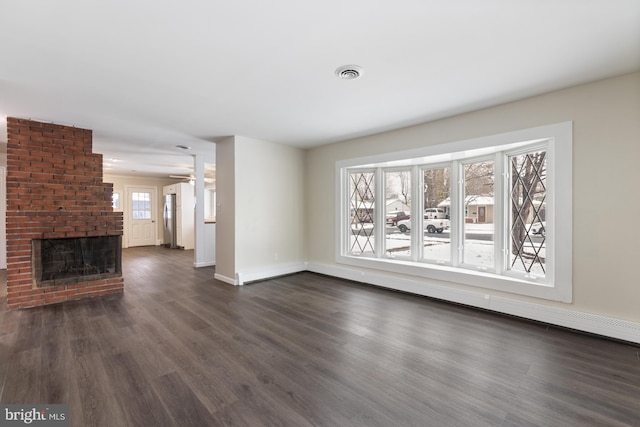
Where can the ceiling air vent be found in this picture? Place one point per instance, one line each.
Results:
(349, 72)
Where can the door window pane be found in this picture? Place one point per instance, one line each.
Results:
(141, 205)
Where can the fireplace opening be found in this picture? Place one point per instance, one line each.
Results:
(58, 262)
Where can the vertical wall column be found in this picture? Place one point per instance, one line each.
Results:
(199, 252)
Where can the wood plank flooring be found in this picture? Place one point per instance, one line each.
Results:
(181, 349)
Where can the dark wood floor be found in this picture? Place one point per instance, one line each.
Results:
(181, 349)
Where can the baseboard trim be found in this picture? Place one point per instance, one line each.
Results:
(278, 270)
(586, 322)
(204, 264)
(225, 279)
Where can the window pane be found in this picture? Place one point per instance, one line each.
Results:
(398, 213)
(437, 205)
(209, 203)
(140, 205)
(528, 191)
(361, 208)
(115, 201)
(478, 214)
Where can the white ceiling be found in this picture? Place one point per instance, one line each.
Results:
(149, 75)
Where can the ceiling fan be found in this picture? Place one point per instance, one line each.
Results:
(191, 179)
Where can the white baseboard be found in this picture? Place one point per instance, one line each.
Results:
(592, 323)
(204, 264)
(225, 279)
(274, 271)
(587, 322)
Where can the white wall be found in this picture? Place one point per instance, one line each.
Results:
(606, 222)
(268, 209)
(270, 221)
(208, 257)
(204, 233)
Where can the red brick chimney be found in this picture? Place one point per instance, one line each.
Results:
(54, 191)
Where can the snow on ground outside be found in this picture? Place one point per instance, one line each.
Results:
(438, 247)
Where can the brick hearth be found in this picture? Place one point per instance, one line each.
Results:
(54, 190)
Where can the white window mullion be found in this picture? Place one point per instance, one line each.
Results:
(500, 217)
(417, 194)
(551, 214)
(379, 226)
(344, 211)
(456, 213)
(346, 242)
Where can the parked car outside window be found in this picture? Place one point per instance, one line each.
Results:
(538, 228)
(394, 217)
(434, 213)
(429, 225)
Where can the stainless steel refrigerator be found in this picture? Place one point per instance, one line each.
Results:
(170, 224)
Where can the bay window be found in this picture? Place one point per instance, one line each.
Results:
(492, 212)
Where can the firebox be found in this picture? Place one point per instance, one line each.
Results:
(57, 262)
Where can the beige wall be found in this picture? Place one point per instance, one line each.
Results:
(269, 205)
(119, 185)
(225, 209)
(260, 211)
(606, 120)
(3, 152)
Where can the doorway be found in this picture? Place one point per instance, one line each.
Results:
(141, 211)
(482, 214)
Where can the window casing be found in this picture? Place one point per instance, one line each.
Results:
(508, 229)
(209, 204)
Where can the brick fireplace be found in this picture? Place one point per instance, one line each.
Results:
(58, 204)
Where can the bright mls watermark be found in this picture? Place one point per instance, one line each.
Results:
(35, 415)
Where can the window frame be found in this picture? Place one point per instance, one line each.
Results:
(459, 203)
(557, 140)
(422, 212)
(383, 172)
(549, 239)
(209, 204)
(146, 209)
(116, 201)
(377, 212)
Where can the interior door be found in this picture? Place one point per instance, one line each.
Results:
(142, 216)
